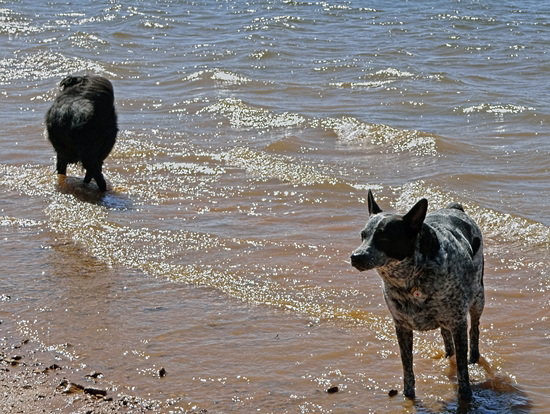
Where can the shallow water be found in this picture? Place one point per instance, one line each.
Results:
(250, 133)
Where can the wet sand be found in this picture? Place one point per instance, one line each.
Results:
(34, 380)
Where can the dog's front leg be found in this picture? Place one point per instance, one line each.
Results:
(448, 341)
(460, 336)
(405, 339)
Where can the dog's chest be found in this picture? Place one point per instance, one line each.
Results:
(417, 301)
(414, 309)
(411, 309)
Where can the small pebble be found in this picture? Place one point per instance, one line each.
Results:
(392, 393)
(332, 390)
(95, 391)
(67, 387)
(162, 372)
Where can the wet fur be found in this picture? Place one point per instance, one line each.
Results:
(82, 125)
(432, 271)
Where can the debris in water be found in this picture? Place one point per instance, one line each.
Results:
(333, 390)
(392, 393)
(95, 391)
(67, 387)
(162, 372)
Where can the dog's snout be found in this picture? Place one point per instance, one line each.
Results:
(357, 261)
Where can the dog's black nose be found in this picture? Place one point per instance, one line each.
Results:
(356, 261)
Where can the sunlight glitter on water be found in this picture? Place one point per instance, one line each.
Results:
(249, 135)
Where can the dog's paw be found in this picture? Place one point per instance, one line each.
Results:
(410, 394)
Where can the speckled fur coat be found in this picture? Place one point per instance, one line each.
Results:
(432, 271)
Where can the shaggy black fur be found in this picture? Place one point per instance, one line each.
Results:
(82, 125)
(432, 271)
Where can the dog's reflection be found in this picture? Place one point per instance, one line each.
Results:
(114, 197)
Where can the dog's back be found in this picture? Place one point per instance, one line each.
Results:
(93, 88)
(82, 124)
(85, 104)
(454, 220)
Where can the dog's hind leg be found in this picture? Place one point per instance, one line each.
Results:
(95, 173)
(448, 341)
(475, 315)
(405, 339)
(61, 166)
(98, 177)
(460, 336)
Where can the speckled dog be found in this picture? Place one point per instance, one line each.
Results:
(432, 269)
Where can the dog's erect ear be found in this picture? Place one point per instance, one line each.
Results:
(373, 207)
(416, 215)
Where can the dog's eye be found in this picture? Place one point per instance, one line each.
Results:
(384, 240)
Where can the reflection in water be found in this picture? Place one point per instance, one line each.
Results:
(91, 193)
(492, 393)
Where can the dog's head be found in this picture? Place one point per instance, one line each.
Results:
(388, 237)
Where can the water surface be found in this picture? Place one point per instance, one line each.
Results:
(249, 135)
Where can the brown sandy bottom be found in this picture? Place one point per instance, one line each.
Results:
(34, 380)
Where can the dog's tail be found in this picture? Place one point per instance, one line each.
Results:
(457, 206)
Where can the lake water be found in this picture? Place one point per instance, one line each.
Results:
(249, 135)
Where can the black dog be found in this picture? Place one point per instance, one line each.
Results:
(82, 125)
(432, 269)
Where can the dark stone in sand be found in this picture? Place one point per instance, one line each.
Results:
(95, 391)
(14, 360)
(332, 390)
(67, 387)
(52, 367)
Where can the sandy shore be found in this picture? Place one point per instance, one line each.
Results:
(34, 380)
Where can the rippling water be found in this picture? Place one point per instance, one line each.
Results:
(250, 132)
